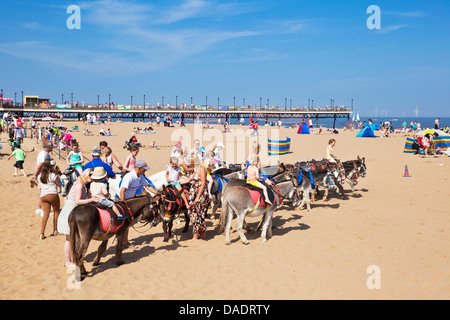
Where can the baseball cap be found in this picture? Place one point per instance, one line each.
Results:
(142, 164)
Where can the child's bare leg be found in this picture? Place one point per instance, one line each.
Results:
(266, 195)
(117, 212)
(211, 181)
(183, 195)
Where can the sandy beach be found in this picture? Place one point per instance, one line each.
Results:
(401, 225)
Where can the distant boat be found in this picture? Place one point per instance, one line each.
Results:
(357, 117)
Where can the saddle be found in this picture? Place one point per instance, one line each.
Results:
(108, 218)
(318, 164)
(257, 194)
(173, 190)
(217, 184)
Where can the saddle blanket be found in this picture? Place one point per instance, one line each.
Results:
(257, 194)
(108, 222)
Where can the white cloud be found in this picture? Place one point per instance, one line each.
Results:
(131, 37)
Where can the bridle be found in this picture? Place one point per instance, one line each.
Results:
(168, 213)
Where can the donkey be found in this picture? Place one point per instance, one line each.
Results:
(353, 170)
(238, 200)
(85, 225)
(219, 184)
(68, 177)
(170, 205)
(335, 176)
(309, 180)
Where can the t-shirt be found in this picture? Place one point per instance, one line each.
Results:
(132, 183)
(98, 189)
(42, 156)
(50, 187)
(174, 174)
(19, 154)
(97, 162)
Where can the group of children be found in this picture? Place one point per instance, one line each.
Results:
(210, 161)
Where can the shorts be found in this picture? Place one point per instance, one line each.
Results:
(256, 184)
(175, 184)
(19, 165)
(107, 203)
(77, 166)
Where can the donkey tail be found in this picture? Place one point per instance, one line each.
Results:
(223, 215)
(74, 237)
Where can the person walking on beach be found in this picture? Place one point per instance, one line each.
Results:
(78, 195)
(436, 123)
(20, 156)
(47, 147)
(48, 183)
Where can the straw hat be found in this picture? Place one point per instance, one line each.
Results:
(99, 173)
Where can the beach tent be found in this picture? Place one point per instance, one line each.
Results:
(367, 132)
(374, 126)
(409, 146)
(304, 129)
(277, 148)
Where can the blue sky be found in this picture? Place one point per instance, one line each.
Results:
(298, 50)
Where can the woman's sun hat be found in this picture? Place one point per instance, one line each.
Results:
(99, 173)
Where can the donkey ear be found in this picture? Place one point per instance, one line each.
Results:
(359, 159)
(164, 189)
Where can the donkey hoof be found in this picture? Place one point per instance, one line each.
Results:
(227, 243)
(246, 242)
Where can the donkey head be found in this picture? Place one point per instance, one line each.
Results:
(170, 203)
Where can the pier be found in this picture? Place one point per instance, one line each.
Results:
(139, 113)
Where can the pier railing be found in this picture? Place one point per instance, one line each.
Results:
(194, 108)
